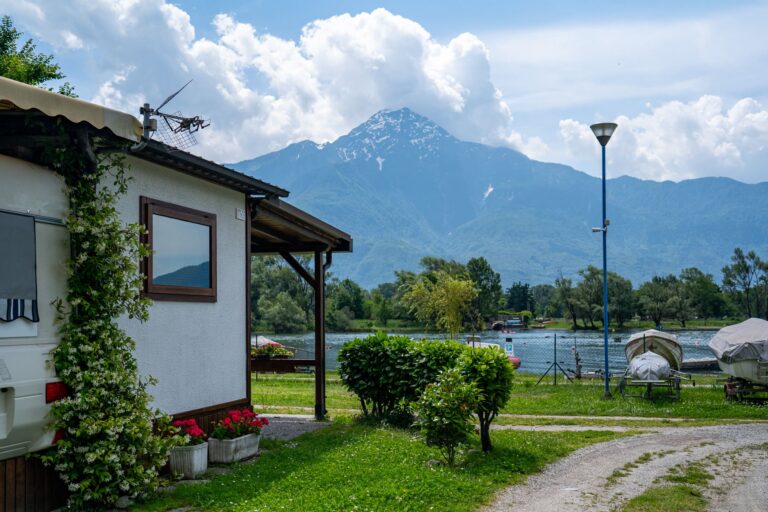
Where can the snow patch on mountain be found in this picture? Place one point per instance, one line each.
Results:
(488, 192)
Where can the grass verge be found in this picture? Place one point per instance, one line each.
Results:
(668, 498)
(351, 466)
(278, 392)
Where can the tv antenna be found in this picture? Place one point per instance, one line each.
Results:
(173, 129)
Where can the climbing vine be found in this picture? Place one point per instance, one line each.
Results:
(110, 446)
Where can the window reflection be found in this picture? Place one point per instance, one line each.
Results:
(181, 253)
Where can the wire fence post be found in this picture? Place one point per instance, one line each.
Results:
(555, 358)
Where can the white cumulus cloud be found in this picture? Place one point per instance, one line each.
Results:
(262, 92)
(676, 141)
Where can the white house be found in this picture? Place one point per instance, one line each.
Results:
(204, 223)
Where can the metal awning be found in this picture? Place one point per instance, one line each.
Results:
(18, 96)
(278, 227)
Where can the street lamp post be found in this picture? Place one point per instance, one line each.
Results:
(603, 132)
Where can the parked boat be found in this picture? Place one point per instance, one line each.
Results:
(649, 366)
(658, 342)
(742, 350)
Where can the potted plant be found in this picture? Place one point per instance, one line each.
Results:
(236, 437)
(191, 457)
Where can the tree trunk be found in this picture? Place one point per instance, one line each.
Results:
(485, 433)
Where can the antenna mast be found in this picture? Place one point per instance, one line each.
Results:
(174, 129)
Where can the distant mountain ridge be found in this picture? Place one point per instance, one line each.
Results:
(404, 187)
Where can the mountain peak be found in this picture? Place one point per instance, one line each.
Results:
(388, 131)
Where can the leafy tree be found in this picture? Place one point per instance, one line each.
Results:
(519, 297)
(589, 295)
(680, 305)
(348, 295)
(24, 64)
(488, 285)
(381, 307)
(490, 371)
(544, 301)
(444, 413)
(432, 265)
(404, 280)
(282, 313)
(653, 298)
(271, 275)
(443, 301)
(565, 297)
(621, 299)
(746, 278)
(706, 297)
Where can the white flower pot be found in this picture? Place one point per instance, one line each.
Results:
(232, 450)
(189, 461)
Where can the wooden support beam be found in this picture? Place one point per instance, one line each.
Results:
(320, 410)
(295, 265)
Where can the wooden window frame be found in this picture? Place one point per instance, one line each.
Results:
(148, 208)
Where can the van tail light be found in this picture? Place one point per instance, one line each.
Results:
(58, 436)
(55, 391)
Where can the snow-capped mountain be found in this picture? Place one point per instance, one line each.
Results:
(404, 188)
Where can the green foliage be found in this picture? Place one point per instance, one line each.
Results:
(746, 279)
(444, 413)
(653, 298)
(488, 286)
(281, 313)
(441, 298)
(339, 319)
(271, 276)
(109, 448)
(490, 370)
(376, 369)
(429, 358)
(347, 295)
(24, 64)
(519, 297)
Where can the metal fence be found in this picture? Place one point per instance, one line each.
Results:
(541, 352)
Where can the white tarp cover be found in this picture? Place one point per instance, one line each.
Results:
(15, 94)
(649, 366)
(741, 342)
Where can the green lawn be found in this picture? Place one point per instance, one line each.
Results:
(350, 466)
(289, 392)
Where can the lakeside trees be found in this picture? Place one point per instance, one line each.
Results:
(450, 296)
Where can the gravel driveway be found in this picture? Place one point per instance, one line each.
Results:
(596, 479)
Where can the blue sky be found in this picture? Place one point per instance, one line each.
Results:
(685, 80)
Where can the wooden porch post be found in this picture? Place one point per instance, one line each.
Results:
(320, 410)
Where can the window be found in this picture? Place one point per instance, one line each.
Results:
(182, 266)
(18, 276)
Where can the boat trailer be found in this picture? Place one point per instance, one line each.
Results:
(739, 389)
(642, 388)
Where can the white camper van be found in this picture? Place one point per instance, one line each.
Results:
(33, 249)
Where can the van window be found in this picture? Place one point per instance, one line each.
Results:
(18, 275)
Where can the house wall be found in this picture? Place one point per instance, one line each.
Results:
(195, 349)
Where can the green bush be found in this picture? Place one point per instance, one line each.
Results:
(445, 411)
(376, 369)
(490, 370)
(428, 359)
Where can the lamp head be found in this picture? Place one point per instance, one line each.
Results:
(603, 132)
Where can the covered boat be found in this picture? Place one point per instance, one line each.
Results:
(742, 350)
(649, 366)
(660, 343)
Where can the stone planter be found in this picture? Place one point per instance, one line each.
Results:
(189, 461)
(232, 450)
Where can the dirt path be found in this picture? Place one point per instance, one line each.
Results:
(602, 476)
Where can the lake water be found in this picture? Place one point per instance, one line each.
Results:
(534, 347)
